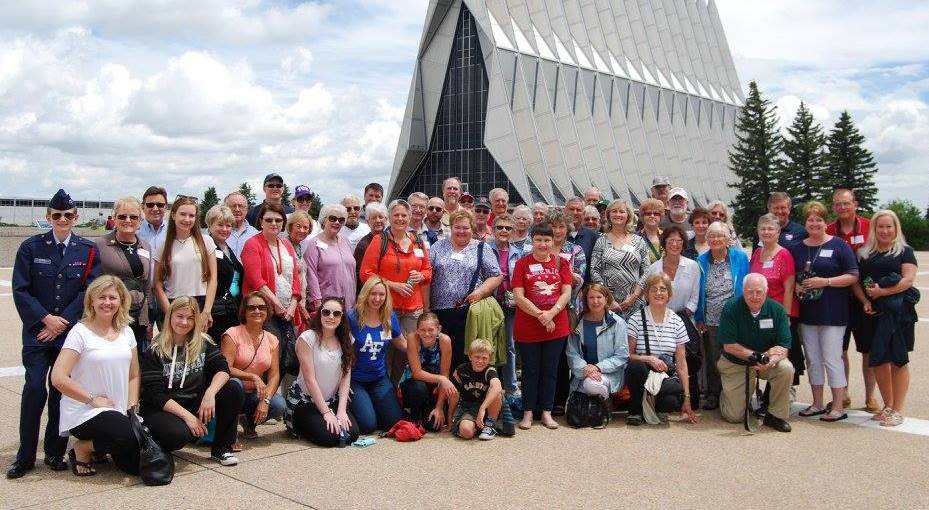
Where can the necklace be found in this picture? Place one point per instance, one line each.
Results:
(280, 266)
(130, 247)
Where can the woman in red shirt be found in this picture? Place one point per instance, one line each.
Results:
(542, 288)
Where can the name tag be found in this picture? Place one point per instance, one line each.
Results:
(768, 264)
(825, 253)
(457, 256)
(566, 256)
(766, 323)
(144, 253)
(386, 335)
(219, 254)
(789, 237)
(535, 268)
(628, 248)
(41, 261)
(418, 253)
(859, 239)
(322, 245)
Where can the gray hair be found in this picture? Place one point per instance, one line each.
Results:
(350, 198)
(331, 209)
(398, 202)
(497, 191)
(574, 199)
(418, 195)
(378, 208)
(751, 277)
(720, 228)
(557, 215)
(590, 210)
(540, 205)
(522, 208)
(769, 219)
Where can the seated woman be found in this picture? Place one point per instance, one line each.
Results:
(254, 363)
(598, 347)
(97, 373)
(657, 337)
(374, 324)
(317, 403)
(185, 384)
(425, 386)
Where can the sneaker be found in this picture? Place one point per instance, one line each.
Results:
(487, 433)
(226, 458)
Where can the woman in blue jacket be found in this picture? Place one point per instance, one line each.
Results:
(598, 348)
(722, 269)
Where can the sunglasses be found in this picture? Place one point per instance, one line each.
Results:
(325, 312)
(68, 215)
(467, 201)
(336, 219)
(156, 205)
(124, 217)
(256, 308)
(434, 208)
(272, 220)
(505, 228)
(353, 208)
(274, 186)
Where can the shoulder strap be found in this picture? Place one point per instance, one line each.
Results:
(648, 350)
(90, 264)
(383, 250)
(477, 270)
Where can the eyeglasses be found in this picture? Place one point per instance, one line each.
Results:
(68, 215)
(467, 201)
(651, 213)
(238, 206)
(325, 312)
(336, 219)
(124, 217)
(434, 208)
(267, 219)
(274, 186)
(505, 228)
(155, 205)
(353, 208)
(256, 308)
(674, 240)
(663, 290)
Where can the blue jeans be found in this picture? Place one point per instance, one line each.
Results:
(375, 405)
(275, 409)
(509, 370)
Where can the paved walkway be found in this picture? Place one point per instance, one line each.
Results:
(712, 464)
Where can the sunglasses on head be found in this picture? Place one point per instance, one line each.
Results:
(188, 197)
(156, 205)
(68, 215)
(124, 217)
(326, 312)
(335, 219)
(274, 185)
(256, 308)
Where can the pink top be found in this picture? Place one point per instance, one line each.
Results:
(245, 352)
(776, 271)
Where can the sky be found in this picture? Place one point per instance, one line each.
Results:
(105, 97)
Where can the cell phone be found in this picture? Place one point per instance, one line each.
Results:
(364, 442)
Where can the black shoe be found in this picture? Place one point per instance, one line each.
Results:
(56, 463)
(776, 423)
(506, 428)
(558, 411)
(18, 469)
(710, 403)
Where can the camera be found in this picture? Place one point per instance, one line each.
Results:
(759, 358)
(668, 360)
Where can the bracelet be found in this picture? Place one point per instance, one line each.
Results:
(91, 401)
(828, 282)
(267, 400)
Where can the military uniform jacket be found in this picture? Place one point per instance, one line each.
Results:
(45, 283)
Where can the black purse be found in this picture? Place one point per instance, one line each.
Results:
(155, 466)
(667, 358)
(585, 410)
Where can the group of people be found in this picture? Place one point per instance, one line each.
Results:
(457, 312)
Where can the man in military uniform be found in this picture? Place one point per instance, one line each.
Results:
(50, 274)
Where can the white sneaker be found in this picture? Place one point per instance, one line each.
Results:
(226, 459)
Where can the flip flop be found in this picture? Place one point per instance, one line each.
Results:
(812, 411)
(72, 458)
(833, 418)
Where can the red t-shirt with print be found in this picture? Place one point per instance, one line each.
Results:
(541, 282)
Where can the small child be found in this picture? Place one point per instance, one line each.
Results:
(481, 394)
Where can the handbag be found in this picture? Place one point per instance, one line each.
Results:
(155, 466)
(668, 359)
(585, 410)
(289, 364)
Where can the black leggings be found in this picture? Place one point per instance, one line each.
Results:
(309, 424)
(171, 433)
(669, 399)
(417, 401)
(540, 372)
(111, 433)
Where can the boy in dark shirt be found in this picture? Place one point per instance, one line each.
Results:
(481, 394)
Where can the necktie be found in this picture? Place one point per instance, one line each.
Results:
(61, 250)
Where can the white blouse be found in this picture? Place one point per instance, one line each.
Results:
(686, 284)
(327, 365)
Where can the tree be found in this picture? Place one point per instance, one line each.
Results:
(286, 196)
(209, 200)
(755, 159)
(246, 190)
(849, 164)
(315, 205)
(805, 155)
(915, 227)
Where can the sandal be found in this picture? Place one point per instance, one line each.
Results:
(872, 406)
(892, 419)
(812, 411)
(882, 414)
(75, 464)
(831, 418)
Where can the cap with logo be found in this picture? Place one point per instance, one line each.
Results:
(302, 191)
(482, 203)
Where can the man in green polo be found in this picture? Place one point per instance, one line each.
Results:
(751, 328)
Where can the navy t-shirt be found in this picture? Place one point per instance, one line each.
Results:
(881, 264)
(371, 345)
(590, 341)
(829, 260)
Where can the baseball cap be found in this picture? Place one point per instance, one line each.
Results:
(468, 195)
(272, 177)
(301, 191)
(482, 203)
(660, 181)
(679, 192)
(602, 205)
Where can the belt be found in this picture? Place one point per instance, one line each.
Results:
(735, 359)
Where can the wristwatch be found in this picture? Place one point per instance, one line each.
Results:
(266, 400)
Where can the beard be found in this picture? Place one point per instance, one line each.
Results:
(679, 211)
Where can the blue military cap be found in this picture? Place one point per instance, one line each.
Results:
(61, 201)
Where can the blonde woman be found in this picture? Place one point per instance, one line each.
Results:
(97, 374)
(376, 330)
(185, 384)
(620, 260)
(887, 268)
